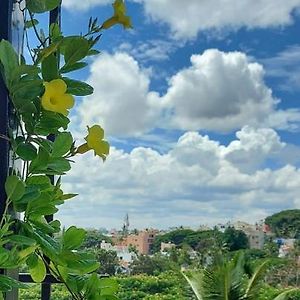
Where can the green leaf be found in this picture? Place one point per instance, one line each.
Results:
(92, 285)
(4, 256)
(41, 206)
(93, 52)
(55, 32)
(68, 196)
(31, 23)
(78, 88)
(285, 294)
(8, 58)
(26, 252)
(108, 286)
(50, 122)
(32, 192)
(25, 91)
(62, 144)
(40, 6)
(24, 70)
(76, 48)
(73, 67)
(55, 225)
(73, 238)
(80, 263)
(42, 182)
(26, 151)
(41, 161)
(58, 166)
(22, 240)
(48, 244)
(50, 67)
(8, 283)
(14, 188)
(194, 278)
(36, 267)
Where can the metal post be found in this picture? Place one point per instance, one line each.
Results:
(54, 17)
(6, 7)
(5, 33)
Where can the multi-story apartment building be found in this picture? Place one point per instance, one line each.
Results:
(142, 240)
(256, 233)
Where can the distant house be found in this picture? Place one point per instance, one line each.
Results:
(256, 233)
(125, 256)
(164, 247)
(286, 246)
(141, 241)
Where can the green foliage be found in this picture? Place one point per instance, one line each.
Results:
(40, 6)
(235, 239)
(168, 286)
(41, 99)
(152, 265)
(230, 279)
(186, 236)
(108, 261)
(285, 224)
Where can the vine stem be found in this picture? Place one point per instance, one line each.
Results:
(8, 202)
(58, 275)
(35, 30)
(2, 136)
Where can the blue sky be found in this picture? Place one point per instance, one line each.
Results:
(200, 102)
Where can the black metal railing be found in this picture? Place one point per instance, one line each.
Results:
(6, 11)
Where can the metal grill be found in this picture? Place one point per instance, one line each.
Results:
(7, 33)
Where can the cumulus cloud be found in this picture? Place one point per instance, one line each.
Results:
(219, 91)
(121, 101)
(223, 91)
(84, 5)
(197, 181)
(187, 18)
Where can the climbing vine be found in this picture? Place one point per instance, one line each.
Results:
(41, 94)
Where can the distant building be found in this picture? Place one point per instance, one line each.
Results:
(141, 241)
(256, 233)
(286, 246)
(164, 247)
(125, 256)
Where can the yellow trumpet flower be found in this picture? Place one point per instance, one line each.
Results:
(55, 97)
(119, 16)
(94, 141)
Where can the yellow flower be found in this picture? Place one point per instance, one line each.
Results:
(55, 98)
(119, 16)
(94, 141)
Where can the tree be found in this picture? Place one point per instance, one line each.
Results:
(235, 239)
(108, 260)
(94, 238)
(229, 280)
(154, 265)
(285, 224)
(176, 236)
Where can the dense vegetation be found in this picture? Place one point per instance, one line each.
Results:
(285, 223)
(159, 276)
(199, 240)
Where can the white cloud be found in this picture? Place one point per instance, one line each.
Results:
(252, 147)
(187, 18)
(221, 92)
(285, 66)
(152, 50)
(197, 181)
(121, 102)
(83, 5)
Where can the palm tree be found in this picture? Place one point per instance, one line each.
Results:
(230, 280)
